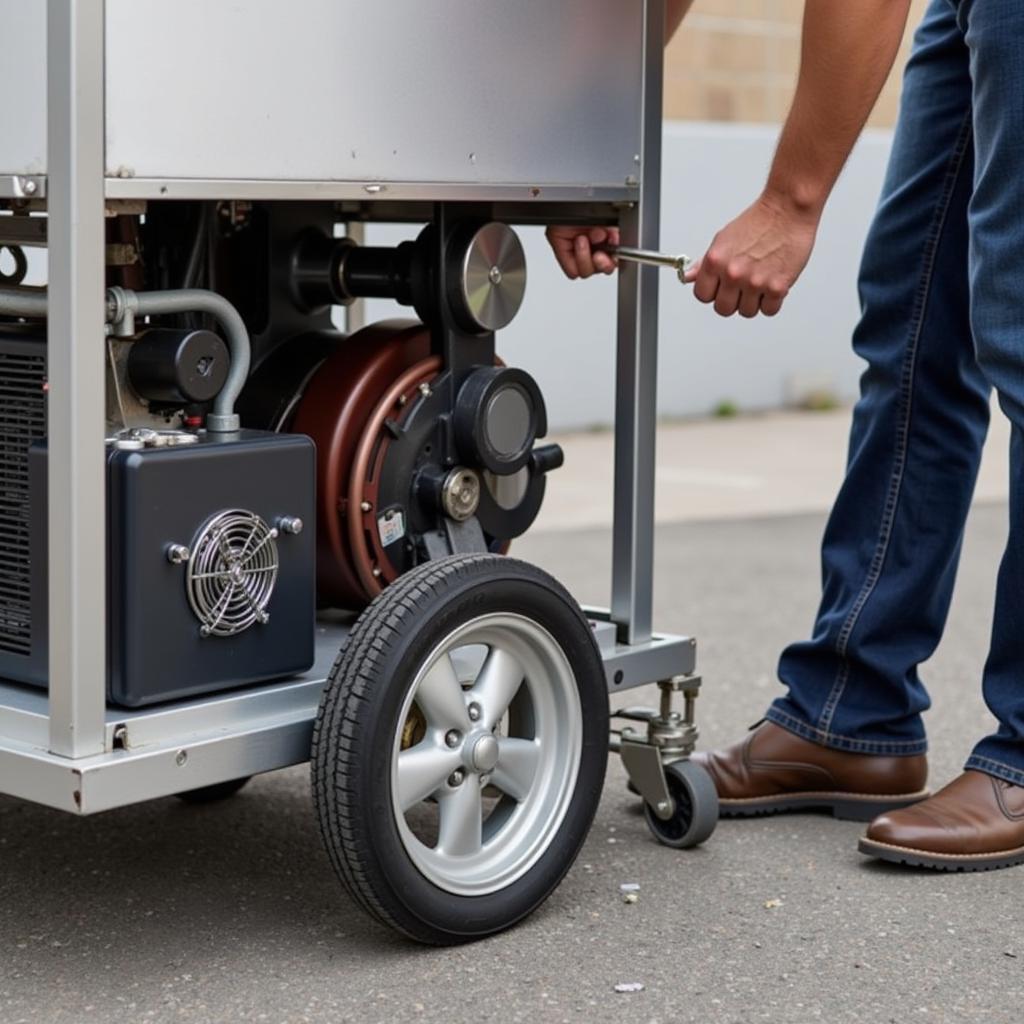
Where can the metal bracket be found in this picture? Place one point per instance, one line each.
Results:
(23, 186)
(670, 736)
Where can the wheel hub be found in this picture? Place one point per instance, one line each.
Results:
(483, 753)
(478, 799)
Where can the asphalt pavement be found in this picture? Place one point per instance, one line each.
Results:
(171, 913)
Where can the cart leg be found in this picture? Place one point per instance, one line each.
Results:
(636, 367)
(75, 353)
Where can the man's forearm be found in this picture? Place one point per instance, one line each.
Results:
(848, 51)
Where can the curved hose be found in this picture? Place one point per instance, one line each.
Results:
(197, 300)
(123, 305)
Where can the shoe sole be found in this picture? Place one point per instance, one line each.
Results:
(844, 806)
(941, 861)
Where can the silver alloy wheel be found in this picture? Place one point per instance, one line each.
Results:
(463, 753)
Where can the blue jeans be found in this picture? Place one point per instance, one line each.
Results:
(942, 294)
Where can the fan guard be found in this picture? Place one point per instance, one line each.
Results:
(232, 570)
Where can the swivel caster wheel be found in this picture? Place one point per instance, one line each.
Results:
(695, 807)
(460, 747)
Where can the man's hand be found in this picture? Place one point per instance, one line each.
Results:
(754, 261)
(576, 252)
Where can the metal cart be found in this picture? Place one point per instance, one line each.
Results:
(408, 112)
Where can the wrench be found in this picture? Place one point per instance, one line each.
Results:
(680, 264)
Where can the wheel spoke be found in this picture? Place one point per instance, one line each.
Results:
(499, 680)
(422, 770)
(441, 698)
(461, 809)
(517, 766)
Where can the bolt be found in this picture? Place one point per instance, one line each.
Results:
(376, 572)
(178, 554)
(180, 758)
(292, 525)
(494, 275)
(475, 711)
(365, 506)
(424, 390)
(453, 738)
(456, 778)
(29, 188)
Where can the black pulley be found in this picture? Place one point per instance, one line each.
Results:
(176, 366)
(499, 414)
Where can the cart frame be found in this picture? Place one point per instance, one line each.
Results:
(67, 749)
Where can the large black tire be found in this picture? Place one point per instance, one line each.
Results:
(355, 739)
(211, 794)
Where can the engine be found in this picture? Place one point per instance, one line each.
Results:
(339, 463)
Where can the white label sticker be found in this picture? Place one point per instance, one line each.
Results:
(391, 527)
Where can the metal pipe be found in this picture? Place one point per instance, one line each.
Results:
(23, 301)
(124, 305)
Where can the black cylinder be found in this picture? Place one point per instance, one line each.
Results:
(372, 272)
(178, 367)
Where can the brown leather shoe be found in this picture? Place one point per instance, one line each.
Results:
(975, 824)
(774, 770)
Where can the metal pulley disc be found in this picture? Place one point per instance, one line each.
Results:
(491, 277)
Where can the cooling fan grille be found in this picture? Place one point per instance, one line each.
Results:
(232, 570)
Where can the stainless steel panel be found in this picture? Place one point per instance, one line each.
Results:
(22, 89)
(520, 92)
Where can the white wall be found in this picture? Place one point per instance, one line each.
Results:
(565, 333)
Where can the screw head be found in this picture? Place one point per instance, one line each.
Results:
(365, 506)
(456, 778)
(181, 757)
(475, 711)
(178, 554)
(452, 738)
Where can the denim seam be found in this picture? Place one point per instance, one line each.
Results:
(1000, 770)
(907, 377)
(837, 741)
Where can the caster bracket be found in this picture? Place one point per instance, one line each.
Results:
(670, 737)
(643, 764)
